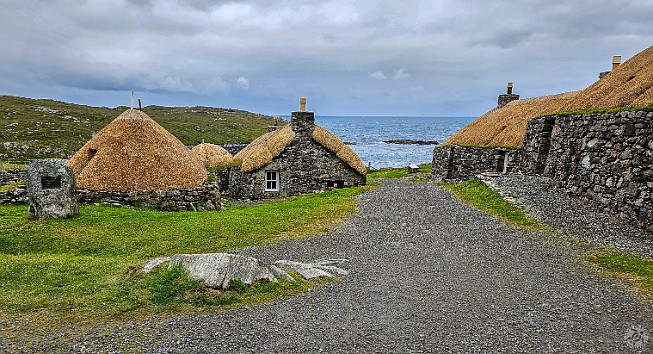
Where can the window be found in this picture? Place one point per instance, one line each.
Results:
(271, 181)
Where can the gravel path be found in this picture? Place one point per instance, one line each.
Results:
(428, 274)
(571, 215)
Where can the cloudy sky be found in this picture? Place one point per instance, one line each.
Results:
(411, 57)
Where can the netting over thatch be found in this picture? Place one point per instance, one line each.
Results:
(212, 155)
(263, 149)
(335, 145)
(630, 84)
(134, 153)
(506, 126)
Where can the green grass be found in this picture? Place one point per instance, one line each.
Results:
(485, 199)
(51, 128)
(389, 172)
(647, 108)
(632, 267)
(10, 165)
(85, 268)
(11, 186)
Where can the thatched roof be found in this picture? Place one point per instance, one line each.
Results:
(268, 146)
(263, 149)
(135, 153)
(630, 84)
(335, 145)
(212, 155)
(506, 126)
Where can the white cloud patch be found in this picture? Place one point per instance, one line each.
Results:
(242, 83)
(378, 75)
(401, 73)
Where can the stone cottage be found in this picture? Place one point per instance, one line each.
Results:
(298, 158)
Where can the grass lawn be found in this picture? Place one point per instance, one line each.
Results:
(485, 199)
(389, 172)
(85, 268)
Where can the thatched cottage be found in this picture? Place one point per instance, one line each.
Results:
(217, 159)
(134, 153)
(295, 159)
(212, 155)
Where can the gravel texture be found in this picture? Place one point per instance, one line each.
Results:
(571, 215)
(428, 274)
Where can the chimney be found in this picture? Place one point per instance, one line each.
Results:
(302, 122)
(616, 61)
(507, 97)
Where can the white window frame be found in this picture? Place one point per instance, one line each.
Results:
(272, 177)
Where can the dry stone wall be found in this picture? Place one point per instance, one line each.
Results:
(604, 157)
(15, 175)
(202, 198)
(460, 163)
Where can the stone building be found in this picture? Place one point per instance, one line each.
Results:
(295, 159)
(135, 161)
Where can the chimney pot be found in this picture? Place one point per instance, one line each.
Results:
(302, 104)
(510, 88)
(616, 61)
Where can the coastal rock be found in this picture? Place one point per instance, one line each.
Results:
(412, 142)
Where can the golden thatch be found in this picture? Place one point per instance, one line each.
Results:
(335, 145)
(506, 126)
(261, 151)
(134, 153)
(212, 155)
(630, 84)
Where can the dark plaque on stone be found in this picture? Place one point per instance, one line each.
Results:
(51, 189)
(51, 182)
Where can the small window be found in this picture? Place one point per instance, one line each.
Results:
(271, 181)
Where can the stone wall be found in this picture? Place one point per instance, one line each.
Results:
(303, 167)
(17, 195)
(202, 198)
(536, 145)
(604, 157)
(8, 177)
(233, 148)
(459, 163)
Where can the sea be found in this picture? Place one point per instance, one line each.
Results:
(367, 136)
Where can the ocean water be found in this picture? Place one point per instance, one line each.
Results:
(369, 134)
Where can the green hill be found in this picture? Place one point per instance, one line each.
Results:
(31, 128)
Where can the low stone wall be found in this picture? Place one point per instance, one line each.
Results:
(460, 163)
(606, 158)
(8, 177)
(14, 196)
(202, 198)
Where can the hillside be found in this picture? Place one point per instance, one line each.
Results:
(630, 84)
(38, 128)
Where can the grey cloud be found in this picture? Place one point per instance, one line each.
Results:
(338, 50)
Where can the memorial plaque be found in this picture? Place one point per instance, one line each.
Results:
(51, 182)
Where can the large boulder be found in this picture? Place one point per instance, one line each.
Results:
(51, 190)
(216, 270)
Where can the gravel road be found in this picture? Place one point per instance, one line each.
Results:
(428, 274)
